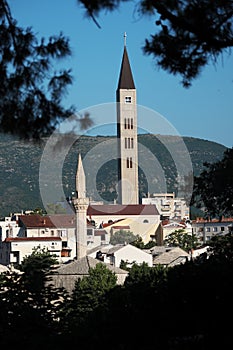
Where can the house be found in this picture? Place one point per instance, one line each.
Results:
(170, 226)
(8, 227)
(114, 254)
(15, 249)
(66, 274)
(205, 229)
(170, 257)
(169, 206)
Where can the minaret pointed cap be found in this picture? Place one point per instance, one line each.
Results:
(80, 179)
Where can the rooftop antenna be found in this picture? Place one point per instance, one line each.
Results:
(125, 36)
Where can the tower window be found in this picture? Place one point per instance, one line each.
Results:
(125, 123)
(127, 99)
(129, 142)
(129, 162)
(128, 123)
(131, 123)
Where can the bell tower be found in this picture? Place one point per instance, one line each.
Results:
(127, 134)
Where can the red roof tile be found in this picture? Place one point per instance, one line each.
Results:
(35, 220)
(119, 209)
(29, 239)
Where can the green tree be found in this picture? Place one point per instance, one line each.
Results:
(36, 268)
(190, 34)
(122, 237)
(213, 189)
(138, 242)
(27, 299)
(31, 91)
(180, 238)
(89, 295)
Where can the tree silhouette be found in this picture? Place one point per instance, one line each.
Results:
(213, 189)
(190, 34)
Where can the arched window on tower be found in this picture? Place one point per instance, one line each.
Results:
(126, 142)
(132, 143)
(131, 125)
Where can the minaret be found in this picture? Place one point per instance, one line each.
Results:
(80, 205)
(127, 134)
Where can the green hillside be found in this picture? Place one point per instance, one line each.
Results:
(20, 162)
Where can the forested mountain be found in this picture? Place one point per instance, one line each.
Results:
(20, 164)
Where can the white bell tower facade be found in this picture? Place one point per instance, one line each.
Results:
(127, 135)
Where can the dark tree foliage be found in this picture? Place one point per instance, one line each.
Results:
(29, 305)
(163, 308)
(30, 93)
(190, 33)
(213, 189)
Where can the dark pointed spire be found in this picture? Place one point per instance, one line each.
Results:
(126, 76)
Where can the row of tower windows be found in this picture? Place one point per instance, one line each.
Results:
(129, 142)
(128, 123)
(129, 162)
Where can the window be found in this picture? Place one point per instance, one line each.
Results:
(131, 142)
(126, 143)
(129, 163)
(128, 123)
(222, 228)
(127, 99)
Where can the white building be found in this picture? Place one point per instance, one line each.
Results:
(168, 205)
(206, 229)
(8, 227)
(114, 254)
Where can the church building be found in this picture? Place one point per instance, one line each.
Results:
(140, 219)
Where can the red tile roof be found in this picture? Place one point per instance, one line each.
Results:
(29, 239)
(49, 221)
(63, 221)
(36, 220)
(126, 227)
(202, 220)
(119, 209)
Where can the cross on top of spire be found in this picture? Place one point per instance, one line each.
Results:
(125, 36)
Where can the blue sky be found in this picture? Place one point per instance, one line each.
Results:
(205, 110)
